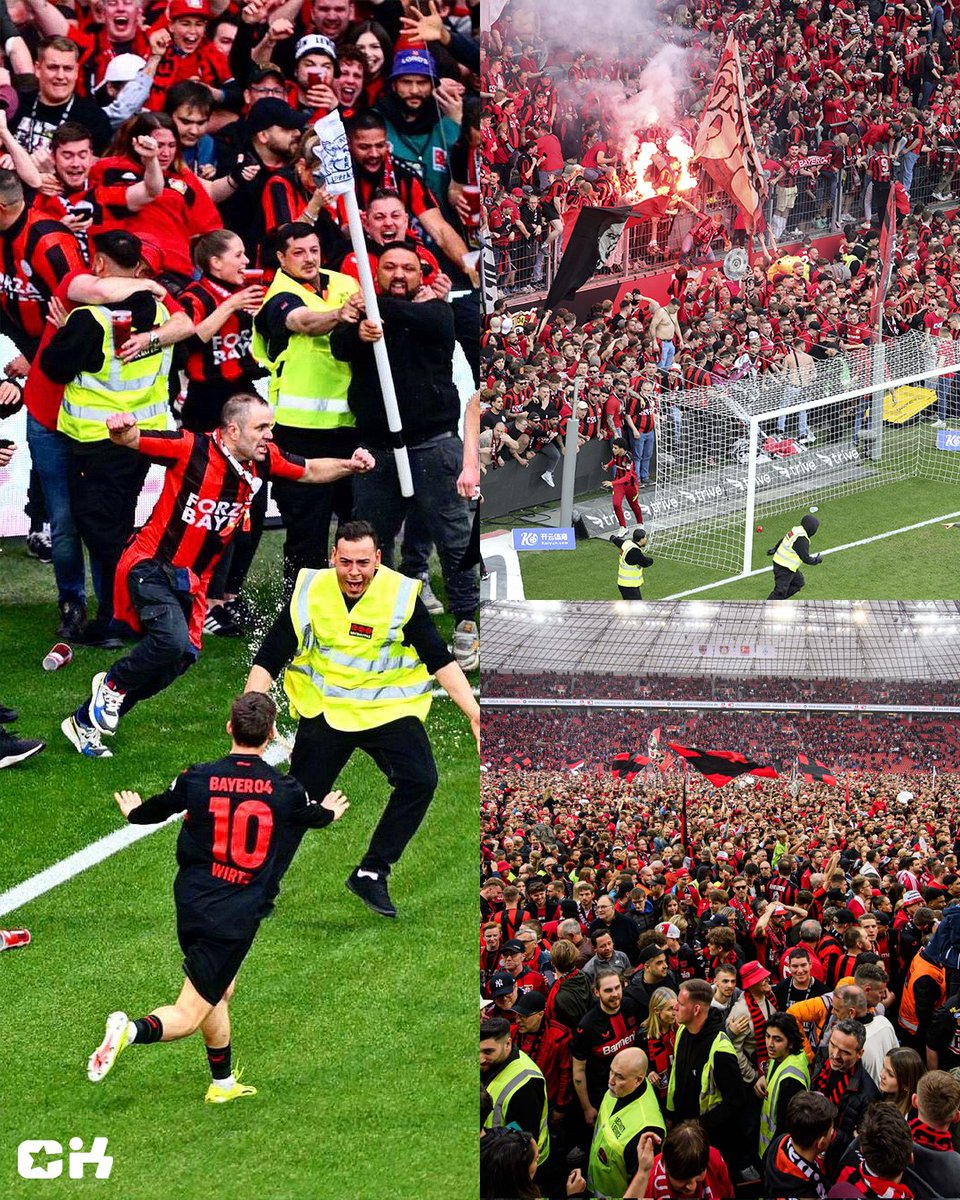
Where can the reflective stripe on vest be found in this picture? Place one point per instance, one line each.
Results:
(919, 967)
(709, 1092)
(786, 556)
(505, 1085)
(606, 1171)
(308, 386)
(352, 665)
(628, 575)
(794, 1066)
(139, 387)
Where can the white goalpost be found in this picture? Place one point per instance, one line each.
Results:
(731, 457)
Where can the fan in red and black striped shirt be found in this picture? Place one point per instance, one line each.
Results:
(35, 254)
(161, 581)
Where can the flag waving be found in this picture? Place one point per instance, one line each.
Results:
(814, 771)
(628, 766)
(720, 766)
(592, 242)
(724, 147)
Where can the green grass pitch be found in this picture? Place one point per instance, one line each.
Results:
(919, 565)
(358, 1032)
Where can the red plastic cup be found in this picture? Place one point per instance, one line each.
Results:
(315, 76)
(122, 321)
(11, 938)
(471, 193)
(252, 276)
(57, 656)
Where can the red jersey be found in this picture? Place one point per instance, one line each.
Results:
(182, 211)
(227, 356)
(35, 254)
(203, 502)
(206, 64)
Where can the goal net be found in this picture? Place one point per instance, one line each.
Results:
(733, 456)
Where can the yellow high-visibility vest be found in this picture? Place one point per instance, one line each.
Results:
(140, 387)
(710, 1095)
(351, 665)
(606, 1170)
(786, 556)
(794, 1066)
(504, 1085)
(628, 575)
(308, 386)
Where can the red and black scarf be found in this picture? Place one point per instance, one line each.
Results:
(759, 1019)
(832, 1084)
(790, 1162)
(926, 1135)
(872, 1185)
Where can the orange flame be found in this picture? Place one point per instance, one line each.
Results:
(637, 159)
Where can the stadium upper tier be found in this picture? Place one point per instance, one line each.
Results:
(619, 648)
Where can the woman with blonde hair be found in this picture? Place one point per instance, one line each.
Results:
(658, 1036)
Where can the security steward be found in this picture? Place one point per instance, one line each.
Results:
(103, 377)
(308, 387)
(515, 1084)
(632, 563)
(792, 550)
(924, 991)
(363, 650)
(628, 1110)
(705, 1082)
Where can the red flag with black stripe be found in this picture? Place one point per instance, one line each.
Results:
(720, 766)
(628, 766)
(517, 760)
(576, 764)
(814, 771)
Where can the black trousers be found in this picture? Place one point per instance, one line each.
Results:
(105, 483)
(165, 650)
(307, 508)
(630, 593)
(401, 749)
(786, 583)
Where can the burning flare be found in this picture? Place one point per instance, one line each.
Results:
(677, 156)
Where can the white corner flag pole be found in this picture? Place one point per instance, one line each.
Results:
(333, 153)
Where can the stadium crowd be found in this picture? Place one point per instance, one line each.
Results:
(882, 741)
(168, 241)
(845, 104)
(760, 997)
(546, 684)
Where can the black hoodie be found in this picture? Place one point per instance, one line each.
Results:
(802, 545)
(688, 1065)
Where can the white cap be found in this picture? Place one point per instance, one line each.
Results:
(668, 930)
(122, 68)
(315, 43)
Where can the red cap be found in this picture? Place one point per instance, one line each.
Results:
(188, 8)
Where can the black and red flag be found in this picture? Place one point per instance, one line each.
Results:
(628, 766)
(516, 760)
(814, 771)
(888, 234)
(720, 766)
(576, 764)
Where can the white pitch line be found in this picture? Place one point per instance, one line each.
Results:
(877, 537)
(64, 870)
(74, 864)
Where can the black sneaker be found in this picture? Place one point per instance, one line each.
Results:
(219, 622)
(242, 613)
(73, 619)
(7, 715)
(14, 750)
(40, 545)
(98, 634)
(371, 887)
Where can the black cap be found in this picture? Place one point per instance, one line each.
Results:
(264, 72)
(502, 984)
(845, 917)
(270, 111)
(652, 951)
(529, 1003)
(514, 946)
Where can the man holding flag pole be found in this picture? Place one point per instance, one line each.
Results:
(401, 354)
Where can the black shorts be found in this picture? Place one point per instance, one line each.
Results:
(210, 963)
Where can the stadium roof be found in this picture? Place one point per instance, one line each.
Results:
(918, 640)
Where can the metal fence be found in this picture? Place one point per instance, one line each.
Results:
(819, 209)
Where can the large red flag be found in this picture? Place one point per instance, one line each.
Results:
(888, 232)
(720, 766)
(724, 147)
